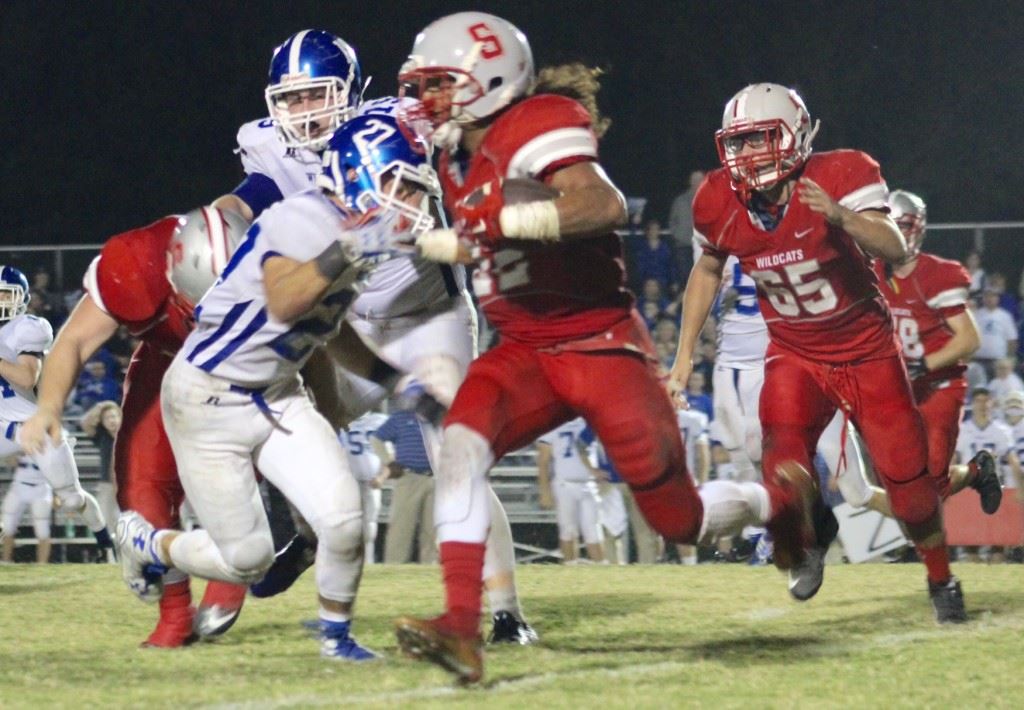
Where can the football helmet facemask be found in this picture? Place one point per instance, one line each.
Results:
(14, 295)
(910, 213)
(463, 68)
(766, 135)
(315, 85)
(370, 164)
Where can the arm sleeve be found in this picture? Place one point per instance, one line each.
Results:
(259, 192)
(950, 291)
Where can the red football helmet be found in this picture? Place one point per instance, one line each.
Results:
(766, 134)
(911, 215)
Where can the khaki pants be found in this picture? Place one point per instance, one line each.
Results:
(648, 542)
(412, 510)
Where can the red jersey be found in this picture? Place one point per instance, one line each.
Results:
(815, 286)
(541, 294)
(921, 302)
(129, 282)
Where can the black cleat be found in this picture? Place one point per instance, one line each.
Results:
(508, 629)
(289, 564)
(948, 601)
(806, 578)
(986, 482)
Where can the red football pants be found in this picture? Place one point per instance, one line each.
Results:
(800, 397)
(942, 410)
(147, 476)
(513, 394)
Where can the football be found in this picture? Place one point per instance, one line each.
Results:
(517, 191)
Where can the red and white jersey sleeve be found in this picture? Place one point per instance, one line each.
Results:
(128, 281)
(535, 293)
(921, 303)
(816, 288)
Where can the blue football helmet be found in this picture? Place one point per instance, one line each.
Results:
(308, 64)
(370, 164)
(14, 296)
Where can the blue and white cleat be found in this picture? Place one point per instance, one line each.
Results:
(289, 563)
(141, 568)
(336, 643)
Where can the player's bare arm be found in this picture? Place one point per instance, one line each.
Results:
(234, 203)
(701, 290)
(589, 204)
(22, 372)
(874, 231)
(86, 329)
(294, 287)
(961, 347)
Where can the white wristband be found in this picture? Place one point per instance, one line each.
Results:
(531, 220)
(439, 245)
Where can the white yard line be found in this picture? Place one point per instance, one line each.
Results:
(979, 627)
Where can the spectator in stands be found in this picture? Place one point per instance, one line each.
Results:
(634, 239)
(1005, 380)
(29, 491)
(655, 260)
(703, 362)
(972, 262)
(649, 312)
(96, 384)
(48, 304)
(680, 224)
(412, 498)
(697, 396)
(1007, 300)
(998, 332)
(666, 332)
(101, 423)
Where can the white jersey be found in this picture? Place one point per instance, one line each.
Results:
(292, 169)
(236, 338)
(20, 335)
(693, 426)
(1018, 438)
(566, 461)
(742, 333)
(363, 460)
(996, 437)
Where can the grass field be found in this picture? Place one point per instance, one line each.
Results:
(666, 636)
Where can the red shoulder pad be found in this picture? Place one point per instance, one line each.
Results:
(131, 274)
(945, 283)
(533, 135)
(852, 178)
(710, 202)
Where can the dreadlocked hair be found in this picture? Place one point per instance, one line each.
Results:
(576, 81)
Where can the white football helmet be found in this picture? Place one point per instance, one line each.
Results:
(910, 213)
(200, 248)
(464, 68)
(766, 134)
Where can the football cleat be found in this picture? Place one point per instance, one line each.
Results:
(986, 482)
(806, 578)
(427, 640)
(141, 568)
(509, 629)
(289, 564)
(948, 601)
(219, 610)
(336, 643)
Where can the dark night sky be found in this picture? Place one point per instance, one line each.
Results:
(115, 114)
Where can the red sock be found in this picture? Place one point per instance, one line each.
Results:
(177, 595)
(936, 561)
(462, 566)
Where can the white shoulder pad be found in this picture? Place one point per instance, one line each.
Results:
(31, 335)
(259, 146)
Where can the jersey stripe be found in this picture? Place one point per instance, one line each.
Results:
(949, 298)
(550, 147)
(257, 322)
(869, 197)
(229, 320)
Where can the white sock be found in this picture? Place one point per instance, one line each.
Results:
(731, 506)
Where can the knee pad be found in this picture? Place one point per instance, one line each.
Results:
(440, 375)
(913, 502)
(249, 557)
(343, 537)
